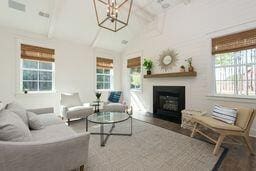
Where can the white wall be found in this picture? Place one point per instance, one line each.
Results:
(75, 66)
(189, 29)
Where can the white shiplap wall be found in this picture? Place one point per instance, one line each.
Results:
(189, 29)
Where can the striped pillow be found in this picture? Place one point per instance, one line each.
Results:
(224, 114)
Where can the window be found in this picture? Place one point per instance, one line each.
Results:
(235, 64)
(37, 75)
(37, 69)
(104, 78)
(135, 78)
(134, 66)
(235, 73)
(104, 74)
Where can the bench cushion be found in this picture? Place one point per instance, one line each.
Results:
(214, 123)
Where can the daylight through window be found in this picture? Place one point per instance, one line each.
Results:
(235, 73)
(135, 78)
(37, 75)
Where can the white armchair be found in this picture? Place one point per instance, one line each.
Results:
(72, 107)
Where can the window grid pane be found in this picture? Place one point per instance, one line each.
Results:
(235, 73)
(104, 78)
(37, 75)
(135, 78)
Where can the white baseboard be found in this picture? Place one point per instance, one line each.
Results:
(253, 132)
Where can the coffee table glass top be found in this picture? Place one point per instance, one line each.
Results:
(108, 117)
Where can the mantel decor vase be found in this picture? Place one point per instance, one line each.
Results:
(191, 68)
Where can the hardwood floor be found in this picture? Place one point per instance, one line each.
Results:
(238, 158)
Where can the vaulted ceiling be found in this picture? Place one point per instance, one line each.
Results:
(75, 20)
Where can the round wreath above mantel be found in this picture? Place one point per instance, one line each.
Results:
(167, 59)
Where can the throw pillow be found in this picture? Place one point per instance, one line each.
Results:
(34, 121)
(12, 128)
(114, 96)
(71, 100)
(225, 114)
(19, 110)
(1, 106)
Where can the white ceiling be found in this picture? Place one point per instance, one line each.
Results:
(75, 20)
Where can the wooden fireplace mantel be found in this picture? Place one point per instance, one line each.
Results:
(173, 74)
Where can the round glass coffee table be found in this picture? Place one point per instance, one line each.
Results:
(103, 118)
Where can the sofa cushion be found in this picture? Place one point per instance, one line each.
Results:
(19, 110)
(1, 106)
(114, 96)
(79, 112)
(34, 121)
(214, 123)
(52, 132)
(12, 128)
(114, 107)
(50, 119)
(71, 100)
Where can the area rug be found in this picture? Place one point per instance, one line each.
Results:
(150, 148)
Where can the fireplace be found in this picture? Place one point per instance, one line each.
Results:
(168, 102)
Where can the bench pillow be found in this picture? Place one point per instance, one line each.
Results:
(227, 115)
(114, 96)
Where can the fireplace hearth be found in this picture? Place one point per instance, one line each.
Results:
(168, 102)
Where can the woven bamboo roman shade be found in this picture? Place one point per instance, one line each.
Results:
(134, 62)
(104, 62)
(235, 42)
(37, 53)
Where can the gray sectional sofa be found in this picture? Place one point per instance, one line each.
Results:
(55, 147)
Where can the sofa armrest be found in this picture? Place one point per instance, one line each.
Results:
(60, 154)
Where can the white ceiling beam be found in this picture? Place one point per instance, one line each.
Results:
(56, 8)
(141, 13)
(186, 2)
(96, 38)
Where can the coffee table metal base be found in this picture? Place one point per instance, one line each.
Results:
(105, 135)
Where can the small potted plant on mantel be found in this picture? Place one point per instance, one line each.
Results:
(190, 67)
(148, 64)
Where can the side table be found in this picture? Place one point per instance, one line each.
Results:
(96, 105)
(186, 122)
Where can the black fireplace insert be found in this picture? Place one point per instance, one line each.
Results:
(168, 102)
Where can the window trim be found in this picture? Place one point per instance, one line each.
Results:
(214, 93)
(111, 79)
(38, 91)
(129, 76)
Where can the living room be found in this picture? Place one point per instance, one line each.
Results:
(187, 57)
